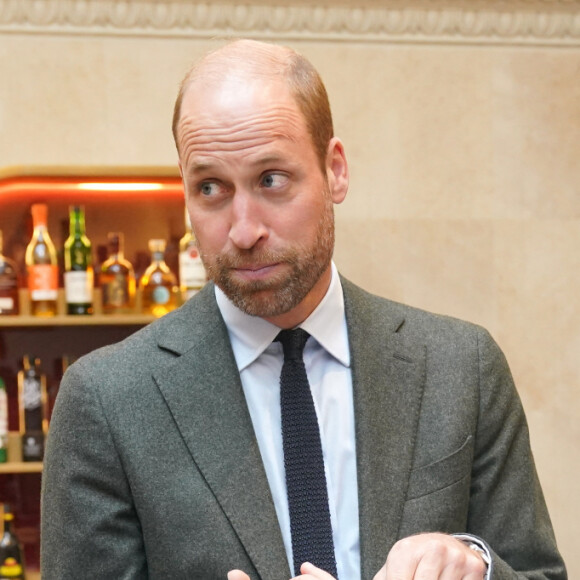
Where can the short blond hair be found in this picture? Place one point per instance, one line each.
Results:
(265, 60)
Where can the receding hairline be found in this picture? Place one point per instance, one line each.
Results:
(244, 58)
(261, 61)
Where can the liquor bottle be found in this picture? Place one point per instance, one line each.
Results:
(11, 553)
(32, 399)
(41, 266)
(158, 285)
(8, 283)
(192, 274)
(3, 423)
(117, 279)
(78, 276)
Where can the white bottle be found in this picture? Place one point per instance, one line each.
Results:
(192, 274)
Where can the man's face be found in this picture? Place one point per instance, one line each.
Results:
(260, 206)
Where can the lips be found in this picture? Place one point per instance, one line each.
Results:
(255, 271)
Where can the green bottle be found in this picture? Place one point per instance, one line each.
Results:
(78, 275)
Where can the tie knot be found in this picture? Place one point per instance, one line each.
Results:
(293, 342)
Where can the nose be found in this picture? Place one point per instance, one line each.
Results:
(247, 226)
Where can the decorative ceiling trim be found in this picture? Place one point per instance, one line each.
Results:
(491, 22)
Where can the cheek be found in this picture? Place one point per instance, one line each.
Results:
(211, 234)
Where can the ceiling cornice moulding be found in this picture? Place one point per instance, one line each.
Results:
(514, 22)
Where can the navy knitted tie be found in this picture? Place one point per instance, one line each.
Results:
(303, 461)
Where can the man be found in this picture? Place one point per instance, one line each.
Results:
(166, 458)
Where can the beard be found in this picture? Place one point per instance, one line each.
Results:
(283, 291)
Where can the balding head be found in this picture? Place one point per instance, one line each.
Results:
(259, 61)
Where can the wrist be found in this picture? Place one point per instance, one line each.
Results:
(480, 547)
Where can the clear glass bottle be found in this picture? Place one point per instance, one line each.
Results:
(41, 265)
(158, 285)
(117, 278)
(78, 275)
(11, 552)
(192, 274)
(8, 284)
(32, 406)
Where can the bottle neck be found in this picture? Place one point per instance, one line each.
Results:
(7, 525)
(157, 257)
(77, 225)
(116, 251)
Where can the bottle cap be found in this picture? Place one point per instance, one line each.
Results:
(157, 245)
(39, 213)
(115, 240)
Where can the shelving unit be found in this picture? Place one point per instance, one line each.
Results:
(49, 339)
(27, 321)
(154, 211)
(21, 467)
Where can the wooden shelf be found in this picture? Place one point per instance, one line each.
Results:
(80, 320)
(21, 467)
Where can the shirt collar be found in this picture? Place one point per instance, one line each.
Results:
(251, 335)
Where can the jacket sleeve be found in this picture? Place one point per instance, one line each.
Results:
(89, 528)
(507, 508)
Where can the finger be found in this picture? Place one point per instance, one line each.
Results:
(401, 562)
(237, 575)
(311, 572)
(381, 574)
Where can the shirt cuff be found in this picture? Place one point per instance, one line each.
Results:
(479, 546)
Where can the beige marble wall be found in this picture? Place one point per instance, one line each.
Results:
(464, 152)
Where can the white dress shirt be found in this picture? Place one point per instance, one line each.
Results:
(327, 361)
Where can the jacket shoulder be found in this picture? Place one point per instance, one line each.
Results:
(406, 320)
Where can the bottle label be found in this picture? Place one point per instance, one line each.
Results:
(6, 303)
(3, 415)
(78, 287)
(31, 394)
(160, 295)
(33, 446)
(191, 270)
(7, 282)
(116, 292)
(11, 568)
(43, 281)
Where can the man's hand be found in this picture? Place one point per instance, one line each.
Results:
(237, 575)
(308, 572)
(421, 557)
(431, 557)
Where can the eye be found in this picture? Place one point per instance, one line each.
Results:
(209, 188)
(274, 180)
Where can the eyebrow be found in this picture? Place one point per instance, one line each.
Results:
(202, 166)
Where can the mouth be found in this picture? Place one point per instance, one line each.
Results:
(256, 271)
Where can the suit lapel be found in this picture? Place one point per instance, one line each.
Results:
(203, 391)
(388, 379)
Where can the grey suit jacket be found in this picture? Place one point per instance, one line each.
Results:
(152, 468)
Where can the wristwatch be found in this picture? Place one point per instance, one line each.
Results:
(477, 545)
(476, 548)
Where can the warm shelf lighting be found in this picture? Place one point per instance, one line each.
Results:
(87, 185)
(120, 186)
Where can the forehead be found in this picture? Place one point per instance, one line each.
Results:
(238, 113)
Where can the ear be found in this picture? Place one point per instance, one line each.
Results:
(337, 170)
